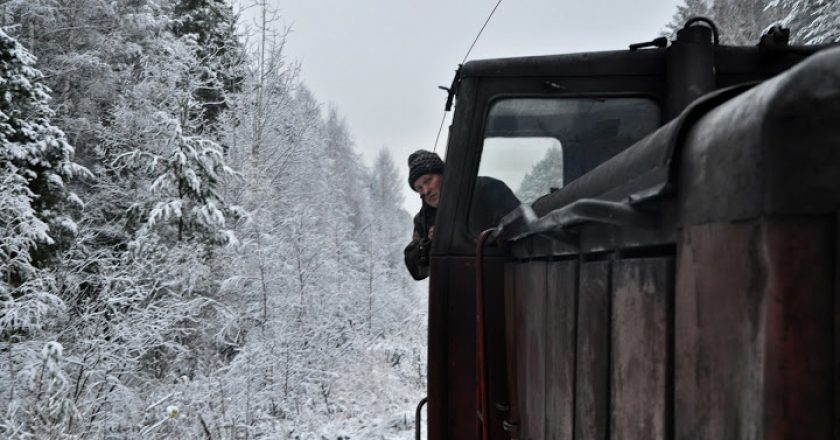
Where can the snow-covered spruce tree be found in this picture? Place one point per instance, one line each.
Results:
(544, 175)
(810, 21)
(738, 21)
(743, 21)
(88, 51)
(96, 54)
(212, 23)
(186, 168)
(34, 148)
(35, 163)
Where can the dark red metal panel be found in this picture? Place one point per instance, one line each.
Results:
(461, 377)
(800, 321)
(837, 326)
(642, 293)
(532, 298)
(436, 407)
(494, 285)
(754, 325)
(521, 276)
(452, 362)
(561, 311)
(511, 324)
(593, 353)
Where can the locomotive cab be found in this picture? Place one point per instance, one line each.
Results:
(679, 278)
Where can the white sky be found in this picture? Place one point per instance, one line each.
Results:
(380, 61)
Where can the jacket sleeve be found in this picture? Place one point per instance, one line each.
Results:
(417, 254)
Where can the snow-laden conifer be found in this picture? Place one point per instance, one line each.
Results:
(220, 54)
(744, 21)
(31, 147)
(186, 168)
(544, 175)
(35, 162)
(278, 333)
(810, 21)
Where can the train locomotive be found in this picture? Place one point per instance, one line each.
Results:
(673, 272)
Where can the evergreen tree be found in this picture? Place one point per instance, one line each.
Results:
(212, 24)
(277, 333)
(810, 21)
(739, 22)
(744, 21)
(160, 127)
(36, 162)
(544, 175)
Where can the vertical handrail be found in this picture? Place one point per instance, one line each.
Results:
(417, 417)
(482, 421)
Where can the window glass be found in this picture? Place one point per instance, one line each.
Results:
(529, 166)
(536, 144)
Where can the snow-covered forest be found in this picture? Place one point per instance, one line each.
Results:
(744, 21)
(190, 247)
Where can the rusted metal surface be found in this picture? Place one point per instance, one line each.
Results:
(799, 346)
(512, 351)
(494, 285)
(451, 382)
(593, 352)
(482, 397)
(837, 325)
(521, 274)
(641, 303)
(770, 151)
(437, 406)
(754, 325)
(691, 68)
(755, 336)
(461, 350)
(561, 344)
(531, 298)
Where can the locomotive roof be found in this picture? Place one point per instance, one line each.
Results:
(640, 62)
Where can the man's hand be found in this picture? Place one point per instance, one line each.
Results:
(431, 233)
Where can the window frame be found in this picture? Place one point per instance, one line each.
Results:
(494, 99)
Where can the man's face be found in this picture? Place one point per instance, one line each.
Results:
(428, 186)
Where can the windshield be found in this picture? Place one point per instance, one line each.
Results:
(535, 145)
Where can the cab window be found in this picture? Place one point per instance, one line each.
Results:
(535, 145)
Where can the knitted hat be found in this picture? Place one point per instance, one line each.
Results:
(423, 162)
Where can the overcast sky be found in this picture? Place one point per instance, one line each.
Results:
(380, 61)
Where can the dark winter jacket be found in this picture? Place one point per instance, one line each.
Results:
(417, 252)
(491, 201)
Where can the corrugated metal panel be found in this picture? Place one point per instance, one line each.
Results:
(643, 291)
(511, 324)
(593, 353)
(531, 297)
(753, 334)
(561, 342)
